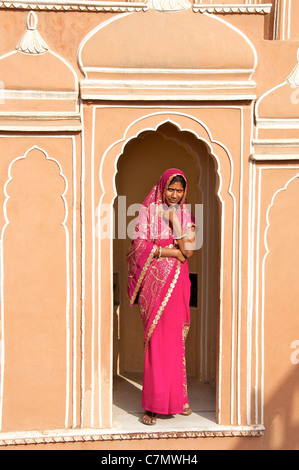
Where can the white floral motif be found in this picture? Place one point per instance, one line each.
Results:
(32, 42)
(169, 5)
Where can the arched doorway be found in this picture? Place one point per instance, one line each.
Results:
(143, 159)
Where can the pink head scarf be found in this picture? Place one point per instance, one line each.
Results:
(158, 192)
(151, 231)
(150, 225)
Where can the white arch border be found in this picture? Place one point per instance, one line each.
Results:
(122, 15)
(67, 239)
(124, 140)
(267, 251)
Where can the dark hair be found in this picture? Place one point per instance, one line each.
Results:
(178, 179)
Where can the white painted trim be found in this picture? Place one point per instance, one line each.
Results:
(39, 128)
(90, 34)
(7, 197)
(266, 94)
(68, 66)
(39, 115)
(7, 54)
(189, 71)
(289, 19)
(72, 138)
(83, 264)
(229, 25)
(76, 5)
(263, 261)
(38, 95)
(232, 8)
(251, 218)
(276, 20)
(93, 332)
(168, 97)
(274, 157)
(240, 268)
(205, 254)
(276, 142)
(74, 228)
(166, 111)
(7, 94)
(257, 313)
(124, 6)
(247, 84)
(62, 59)
(161, 84)
(271, 123)
(219, 372)
(284, 16)
(274, 123)
(75, 435)
(74, 261)
(250, 251)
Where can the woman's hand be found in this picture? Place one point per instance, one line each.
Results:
(167, 252)
(169, 213)
(180, 256)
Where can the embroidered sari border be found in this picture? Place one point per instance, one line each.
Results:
(144, 269)
(163, 304)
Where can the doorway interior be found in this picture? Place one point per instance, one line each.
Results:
(139, 167)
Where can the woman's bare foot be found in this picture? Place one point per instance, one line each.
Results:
(149, 418)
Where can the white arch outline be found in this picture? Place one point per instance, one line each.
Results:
(63, 223)
(56, 94)
(260, 99)
(125, 140)
(271, 205)
(241, 34)
(91, 33)
(210, 15)
(59, 57)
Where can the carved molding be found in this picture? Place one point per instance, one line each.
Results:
(127, 6)
(32, 42)
(233, 8)
(69, 437)
(169, 5)
(76, 5)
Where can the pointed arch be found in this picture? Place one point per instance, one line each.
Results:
(228, 227)
(27, 232)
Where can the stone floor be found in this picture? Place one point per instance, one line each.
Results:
(127, 411)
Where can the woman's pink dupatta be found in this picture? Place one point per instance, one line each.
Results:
(154, 279)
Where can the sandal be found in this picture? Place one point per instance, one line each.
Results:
(187, 410)
(149, 418)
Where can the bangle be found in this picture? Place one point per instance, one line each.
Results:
(160, 251)
(182, 236)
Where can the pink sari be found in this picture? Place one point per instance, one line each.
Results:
(163, 287)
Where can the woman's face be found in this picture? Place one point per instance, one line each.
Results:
(174, 194)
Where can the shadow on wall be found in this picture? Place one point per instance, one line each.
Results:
(281, 417)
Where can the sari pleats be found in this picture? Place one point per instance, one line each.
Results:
(164, 380)
(163, 288)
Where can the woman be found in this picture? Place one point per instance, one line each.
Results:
(159, 275)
